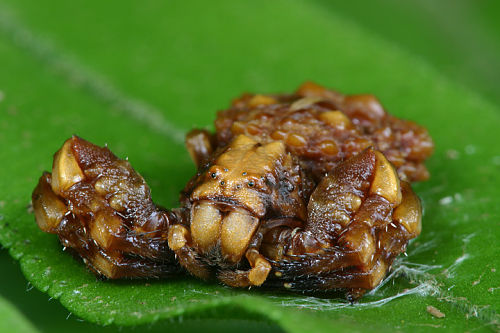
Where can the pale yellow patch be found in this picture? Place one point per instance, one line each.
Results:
(336, 119)
(386, 181)
(205, 226)
(237, 231)
(65, 171)
(409, 212)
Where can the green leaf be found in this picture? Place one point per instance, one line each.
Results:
(13, 321)
(50, 316)
(136, 76)
(422, 28)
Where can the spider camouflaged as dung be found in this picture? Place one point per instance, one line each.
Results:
(308, 191)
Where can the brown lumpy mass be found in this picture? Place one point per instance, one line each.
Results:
(307, 191)
(322, 128)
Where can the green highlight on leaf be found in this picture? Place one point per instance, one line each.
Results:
(180, 73)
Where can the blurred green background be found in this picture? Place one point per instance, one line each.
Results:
(459, 38)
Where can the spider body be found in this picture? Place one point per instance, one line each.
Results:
(308, 191)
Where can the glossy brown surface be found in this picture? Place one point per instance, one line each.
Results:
(306, 191)
(101, 209)
(323, 128)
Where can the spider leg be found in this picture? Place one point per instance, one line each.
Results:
(255, 276)
(259, 254)
(200, 146)
(352, 277)
(341, 212)
(356, 279)
(102, 210)
(360, 218)
(179, 240)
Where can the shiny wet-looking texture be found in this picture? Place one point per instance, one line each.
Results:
(308, 191)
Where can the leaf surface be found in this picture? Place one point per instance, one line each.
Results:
(461, 37)
(138, 89)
